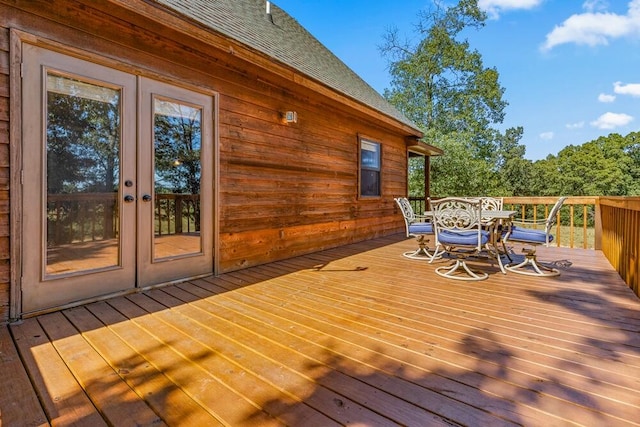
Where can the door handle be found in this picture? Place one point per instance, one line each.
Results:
(146, 198)
(129, 198)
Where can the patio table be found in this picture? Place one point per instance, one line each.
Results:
(496, 221)
(492, 218)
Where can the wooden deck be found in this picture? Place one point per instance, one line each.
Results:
(355, 336)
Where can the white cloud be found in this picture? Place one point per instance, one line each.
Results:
(572, 126)
(547, 136)
(494, 7)
(612, 120)
(595, 28)
(632, 89)
(603, 97)
(595, 5)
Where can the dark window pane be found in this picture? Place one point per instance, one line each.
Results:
(370, 183)
(369, 168)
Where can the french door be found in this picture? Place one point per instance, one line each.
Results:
(117, 181)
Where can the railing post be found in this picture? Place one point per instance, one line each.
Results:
(597, 225)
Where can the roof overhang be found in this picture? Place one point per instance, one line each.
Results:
(415, 146)
(190, 23)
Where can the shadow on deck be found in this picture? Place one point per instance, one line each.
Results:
(354, 335)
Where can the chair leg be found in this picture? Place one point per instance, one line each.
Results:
(531, 267)
(494, 252)
(437, 253)
(422, 252)
(460, 266)
(505, 250)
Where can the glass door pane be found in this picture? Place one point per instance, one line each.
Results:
(83, 132)
(177, 136)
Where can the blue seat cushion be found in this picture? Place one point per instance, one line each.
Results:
(466, 238)
(421, 228)
(529, 235)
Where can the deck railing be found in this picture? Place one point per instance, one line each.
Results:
(621, 237)
(81, 217)
(86, 217)
(610, 224)
(177, 214)
(578, 223)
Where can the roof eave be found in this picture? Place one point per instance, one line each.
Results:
(414, 145)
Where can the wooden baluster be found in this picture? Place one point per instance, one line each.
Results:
(179, 207)
(585, 218)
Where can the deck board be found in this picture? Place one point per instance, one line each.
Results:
(404, 350)
(143, 377)
(102, 382)
(356, 335)
(18, 400)
(61, 397)
(187, 363)
(341, 396)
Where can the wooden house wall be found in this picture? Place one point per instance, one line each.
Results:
(283, 190)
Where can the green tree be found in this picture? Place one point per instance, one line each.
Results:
(459, 172)
(545, 178)
(607, 166)
(632, 150)
(603, 167)
(416, 177)
(514, 171)
(442, 85)
(83, 137)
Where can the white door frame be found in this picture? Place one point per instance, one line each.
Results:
(17, 38)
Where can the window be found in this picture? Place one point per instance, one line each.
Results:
(369, 168)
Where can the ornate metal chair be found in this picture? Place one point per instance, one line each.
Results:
(418, 226)
(530, 265)
(459, 232)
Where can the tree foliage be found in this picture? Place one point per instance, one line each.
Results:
(441, 84)
(82, 144)
(460, 173)
(607, 166)
(177, 153)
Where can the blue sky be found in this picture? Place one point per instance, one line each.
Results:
(570, 68)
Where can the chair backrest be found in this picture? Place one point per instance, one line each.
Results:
(492, 203)
(457, 215)
(553, 215)
(407, 212)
